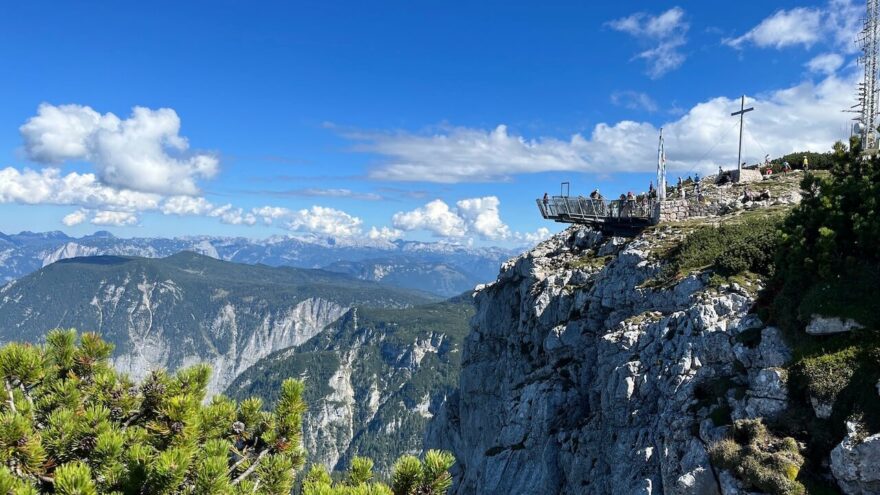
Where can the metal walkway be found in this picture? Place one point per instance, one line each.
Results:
(618, 217)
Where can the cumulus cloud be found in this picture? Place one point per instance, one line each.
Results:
(826, 63)
(472, 217)
(49, 186)
(804, 116)
(385, 234)
(144, 152)
(535, 237)
(114, 218)
(233, 216)
(322, 220)
(75, 218)
(664, 35)
(434, 217)
(633, 100)
(482, 217)
(186, 205)
(271, 213)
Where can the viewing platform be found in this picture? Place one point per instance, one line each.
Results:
(617, 217)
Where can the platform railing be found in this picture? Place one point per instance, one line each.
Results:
(584, 209)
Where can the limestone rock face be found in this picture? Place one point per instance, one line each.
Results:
(856, 464)
(580, 378)
(823, 325)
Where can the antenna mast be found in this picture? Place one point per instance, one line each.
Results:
(661, 169)
(869, 40)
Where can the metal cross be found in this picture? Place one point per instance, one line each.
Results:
(741, 113)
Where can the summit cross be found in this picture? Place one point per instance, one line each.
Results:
(741, 113)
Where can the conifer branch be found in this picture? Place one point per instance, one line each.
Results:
(245, 455)
(11, 399)
(27, 394)
(247, 472)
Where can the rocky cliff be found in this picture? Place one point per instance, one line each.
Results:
(583, 374)
(186, 309)
(373, 380)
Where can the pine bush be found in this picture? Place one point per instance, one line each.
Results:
(71, 425)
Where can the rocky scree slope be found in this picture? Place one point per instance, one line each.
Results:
(581, 375)
(373, 380)
(185, 309)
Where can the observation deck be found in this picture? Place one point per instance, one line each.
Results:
(616, 217)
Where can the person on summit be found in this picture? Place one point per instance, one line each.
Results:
(652, 193)
(546, 199)
(806, 164)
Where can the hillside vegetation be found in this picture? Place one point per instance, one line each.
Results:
(818, 260)
(71, 425)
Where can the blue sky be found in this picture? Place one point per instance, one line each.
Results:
(420, 120)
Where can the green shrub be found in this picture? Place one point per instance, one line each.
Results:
(70, 424)
(729, 249)
(759, 459)
(828, 262)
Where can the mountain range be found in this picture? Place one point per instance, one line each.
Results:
(442, 268)
(187, 308)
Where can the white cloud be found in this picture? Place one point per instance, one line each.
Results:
(271, 213)
(186, 205)
(843, 23)
(144, 152)
(665, 34)
(483, 218)
(472, 217)
(328, 221)
(385, 233)
(798, 26)
(826, 63)
(804, 116)
(633, 100)
(75, 218)
(434, 217)
(114, 218)
(837, 23)
(463, 154)
(49, 186)
(535, 237)
(233, 216)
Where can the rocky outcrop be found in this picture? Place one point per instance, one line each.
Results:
(373, 380)
(280, 329)
(855, 463)
(824, 325)
(581, 377)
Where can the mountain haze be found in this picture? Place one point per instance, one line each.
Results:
(444, 268)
